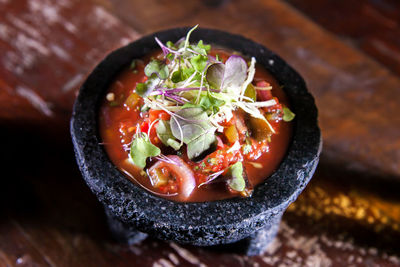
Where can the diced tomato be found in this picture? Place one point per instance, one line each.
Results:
(158, 114)
(153, 137)
(227, 123)
(144, 127)
(215, 162)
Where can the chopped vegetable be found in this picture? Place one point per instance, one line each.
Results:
(259, 128)
(251, 93)
(133, 100)
(236, 182)
(231, 134)
(288, 115)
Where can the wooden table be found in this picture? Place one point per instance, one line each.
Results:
(349, 215)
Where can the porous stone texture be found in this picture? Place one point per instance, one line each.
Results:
(209, 223)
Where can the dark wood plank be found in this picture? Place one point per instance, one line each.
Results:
(46, 50)
(371, 25)
(16, 249)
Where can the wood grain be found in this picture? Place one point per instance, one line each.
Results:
(370, 25)
(46, 50)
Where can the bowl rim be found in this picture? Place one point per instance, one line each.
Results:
(132, 204)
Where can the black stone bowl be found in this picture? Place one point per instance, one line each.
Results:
(133, 211)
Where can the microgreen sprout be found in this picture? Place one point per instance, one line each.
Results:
(199, 92)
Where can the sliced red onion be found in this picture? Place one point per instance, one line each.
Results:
(182, 172)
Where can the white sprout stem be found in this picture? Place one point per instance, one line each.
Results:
(180, 129)
(173, 68)
(186, 63)
(188, 80)
(247, 98)
(263, 88)
(211, 178)
(250, 77)
(201, 82)
(201, 88)
(267, 103)
(192, 51)
(151, 126)
(165, 159)
(137, 129)
(234, 147)
(188, 36)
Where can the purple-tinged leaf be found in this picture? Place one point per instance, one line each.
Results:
(166, 50)
(194, 130)
(215, 75)
(235, 72)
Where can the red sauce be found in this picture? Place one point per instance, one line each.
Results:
(118, 122)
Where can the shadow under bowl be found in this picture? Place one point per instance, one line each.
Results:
(133, 211)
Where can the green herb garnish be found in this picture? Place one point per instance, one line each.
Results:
(288, 115)
(236, 181)
(158, 68)
(192, 127)
(141, 149)
(164, 132)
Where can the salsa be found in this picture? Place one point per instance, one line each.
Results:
(194, 124)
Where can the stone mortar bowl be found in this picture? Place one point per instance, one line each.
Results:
(247, 223)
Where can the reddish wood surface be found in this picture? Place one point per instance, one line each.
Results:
(370, 25)
(47, 48)
(348, 215)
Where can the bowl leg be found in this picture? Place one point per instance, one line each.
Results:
(123, 232)
(258, 242)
